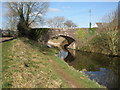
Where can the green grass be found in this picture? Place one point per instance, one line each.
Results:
(43, 75)
(27, 65)
(6, 62)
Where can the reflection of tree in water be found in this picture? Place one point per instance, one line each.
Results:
(98, 67)
(105, 77)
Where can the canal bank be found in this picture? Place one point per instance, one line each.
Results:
(36, 66)
(98, 67)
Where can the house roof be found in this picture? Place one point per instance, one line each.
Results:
(101, 24)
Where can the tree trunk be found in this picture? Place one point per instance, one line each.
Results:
(22, 27)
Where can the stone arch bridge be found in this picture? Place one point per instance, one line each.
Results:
(68, 33)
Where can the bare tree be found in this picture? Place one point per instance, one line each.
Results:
(28, 13)
(56, 22)
(109, 32)
(11, 21)
(70, 24)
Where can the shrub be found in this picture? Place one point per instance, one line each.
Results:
(37, 33)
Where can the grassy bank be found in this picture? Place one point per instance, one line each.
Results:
(28, 65)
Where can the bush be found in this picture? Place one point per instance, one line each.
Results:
(92, 31)
(37, 33)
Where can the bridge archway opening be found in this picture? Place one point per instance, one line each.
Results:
(66, 42)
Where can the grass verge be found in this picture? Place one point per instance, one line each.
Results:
(29, 65)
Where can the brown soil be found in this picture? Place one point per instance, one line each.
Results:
(67, 77)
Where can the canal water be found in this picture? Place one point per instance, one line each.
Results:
(98, 67)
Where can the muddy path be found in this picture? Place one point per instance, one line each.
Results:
(65, 75)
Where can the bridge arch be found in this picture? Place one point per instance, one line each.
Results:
(71, 42)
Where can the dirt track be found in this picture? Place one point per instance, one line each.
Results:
(71, 81)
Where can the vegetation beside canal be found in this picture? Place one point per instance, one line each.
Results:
(29, 65)
(104, 39)
(101, 40)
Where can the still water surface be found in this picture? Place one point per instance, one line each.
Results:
(98, 67)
